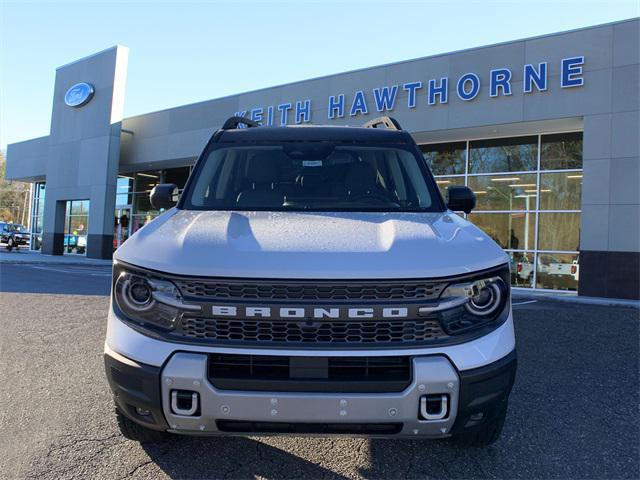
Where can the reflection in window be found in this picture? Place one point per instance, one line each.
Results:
(561, 151)
(559, 231)
(512, 231)
(522, 269)
(504, 192)
(560, 191)
(558, 271)
(503, 155)
(446, 182)
(445, 158)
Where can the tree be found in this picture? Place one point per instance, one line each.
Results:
(14, 197)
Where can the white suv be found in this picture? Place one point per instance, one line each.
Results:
(311, 280)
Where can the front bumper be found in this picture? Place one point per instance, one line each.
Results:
(144, 388)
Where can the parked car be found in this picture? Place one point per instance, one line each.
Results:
(311, 281)
(13, 235)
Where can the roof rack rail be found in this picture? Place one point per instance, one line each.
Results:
(233, 123)
(389, 123)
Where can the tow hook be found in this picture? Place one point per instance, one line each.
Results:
(434, 407)
(184, 402)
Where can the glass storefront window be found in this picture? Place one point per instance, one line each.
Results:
(139, 221)
(445, 182)
(522, 267)
(178, 176)
(561, 151)
(558, 271)
(124, 188)
(514, 231)
(142, 204)
(145, 181)
(560, 191)
(446, 158)
(78, 207)
(504, 192)
(503, 155)
(514, 200)
(559, 231)
(37, 215)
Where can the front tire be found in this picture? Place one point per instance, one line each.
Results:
(10, 244)
(136, 432)
(486, 434)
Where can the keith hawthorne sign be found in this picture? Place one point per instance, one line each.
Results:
(435, 91)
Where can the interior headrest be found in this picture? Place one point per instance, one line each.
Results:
(264, 167)
(310, 180)
(360, 177)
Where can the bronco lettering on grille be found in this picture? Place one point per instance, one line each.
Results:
(231, 311)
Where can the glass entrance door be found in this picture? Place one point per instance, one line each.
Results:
(122, 226)
(75, 227)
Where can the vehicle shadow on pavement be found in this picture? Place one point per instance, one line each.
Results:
(218, 457)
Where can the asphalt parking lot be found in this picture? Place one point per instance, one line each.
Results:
(573, 411)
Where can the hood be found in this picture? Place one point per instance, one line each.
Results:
(314, 245)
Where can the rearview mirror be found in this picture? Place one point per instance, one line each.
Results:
(461, 199)
(164, 195)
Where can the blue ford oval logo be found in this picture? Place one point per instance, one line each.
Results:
(79, 94)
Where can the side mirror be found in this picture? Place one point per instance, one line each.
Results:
(164, 195)
(461, 199)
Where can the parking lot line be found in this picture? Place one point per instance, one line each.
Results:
(523, 303)
(72, 271)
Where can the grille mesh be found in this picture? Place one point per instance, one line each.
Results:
(309, 290)
(367, 332)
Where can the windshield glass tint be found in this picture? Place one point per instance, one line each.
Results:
(311, 176)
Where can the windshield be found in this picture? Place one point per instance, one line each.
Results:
(14, 227)
(318, 176)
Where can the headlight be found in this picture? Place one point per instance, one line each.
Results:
(469, 305)
(146, 299)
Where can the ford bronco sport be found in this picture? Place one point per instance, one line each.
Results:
(311, 280)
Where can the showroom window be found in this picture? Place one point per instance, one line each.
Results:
(528, 192)
(133, 191)
(37, 214)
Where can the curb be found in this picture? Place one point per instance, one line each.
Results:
(567, 298)
(40, 262)
(31, 259)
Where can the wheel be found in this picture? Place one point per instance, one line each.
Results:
(10, 244)
(485, 434)
(134, 431)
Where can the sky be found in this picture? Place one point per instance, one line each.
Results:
(184, 52)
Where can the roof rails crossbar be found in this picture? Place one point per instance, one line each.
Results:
(233, 123)
(389, 123)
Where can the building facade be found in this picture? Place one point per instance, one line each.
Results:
(543, 130)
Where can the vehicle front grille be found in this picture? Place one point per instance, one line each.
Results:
(378, 332)
(308, 290)
(310, 373)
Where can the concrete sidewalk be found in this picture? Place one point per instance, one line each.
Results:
(24, 256)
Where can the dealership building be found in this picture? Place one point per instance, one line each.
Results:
(544, 130)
